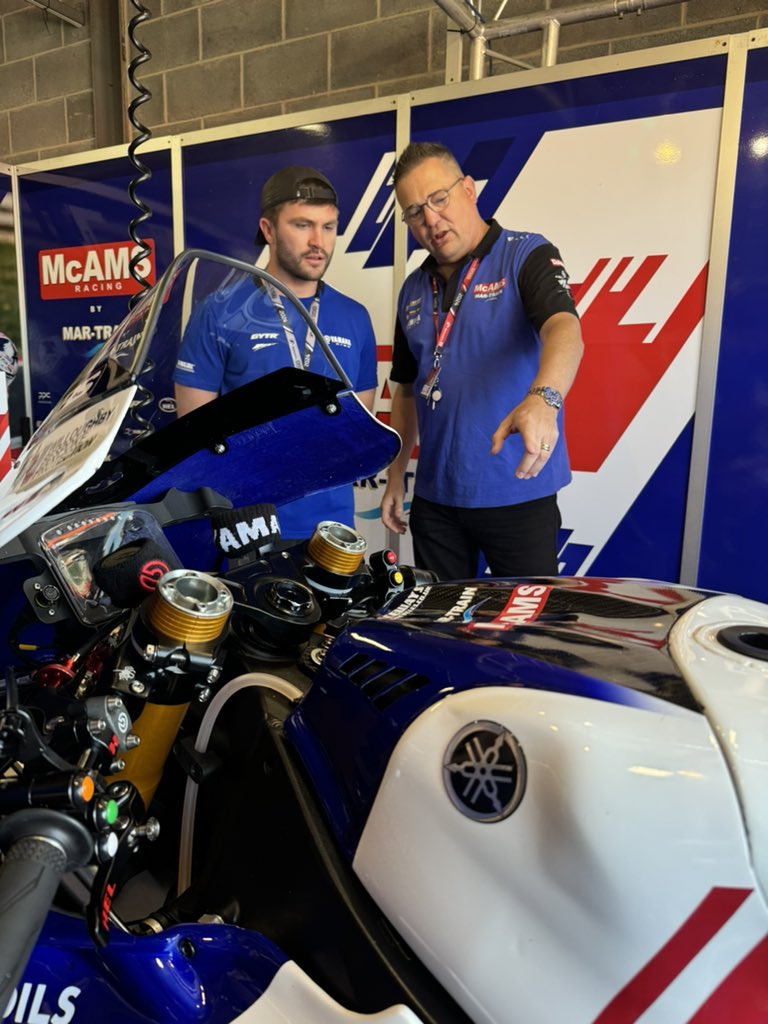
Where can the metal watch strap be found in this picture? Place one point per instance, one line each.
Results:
(550, 395)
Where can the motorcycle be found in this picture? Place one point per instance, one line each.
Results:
(245, 779)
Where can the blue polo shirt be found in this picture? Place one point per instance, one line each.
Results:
(235, 336)
(489, 362)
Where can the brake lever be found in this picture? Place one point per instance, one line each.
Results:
(116, 816)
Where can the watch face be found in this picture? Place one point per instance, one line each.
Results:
(550, 395)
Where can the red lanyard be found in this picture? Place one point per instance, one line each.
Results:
(441, 337)
(429, 388)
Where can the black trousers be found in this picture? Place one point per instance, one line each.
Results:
(516, 540)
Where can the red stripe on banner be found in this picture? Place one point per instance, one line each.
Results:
(743, 996)
(577, 290)
(687, 942)
(3, 422)
(618, 371)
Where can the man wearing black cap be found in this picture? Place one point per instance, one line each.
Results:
(250, 331)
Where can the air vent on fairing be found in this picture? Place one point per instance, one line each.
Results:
(751, 641)
(383, 684)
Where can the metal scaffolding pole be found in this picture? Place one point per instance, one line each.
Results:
(71, 15)
(472, 24)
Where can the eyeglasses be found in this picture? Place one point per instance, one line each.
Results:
(437, 201)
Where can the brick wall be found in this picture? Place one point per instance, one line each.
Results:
(217, 62)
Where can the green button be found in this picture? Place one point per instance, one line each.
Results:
(111, 812)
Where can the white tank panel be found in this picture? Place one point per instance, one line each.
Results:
(627, 823)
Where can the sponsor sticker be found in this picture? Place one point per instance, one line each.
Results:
(82, 270)
(27, 1001)
(466, 598)
(411, 602)
(525, 604)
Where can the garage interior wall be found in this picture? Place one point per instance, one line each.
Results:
(218, 62)
(416, 111)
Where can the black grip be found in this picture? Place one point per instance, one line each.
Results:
(29, 878)
(40, 846)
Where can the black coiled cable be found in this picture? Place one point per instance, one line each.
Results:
(144, 396)
(142, 135)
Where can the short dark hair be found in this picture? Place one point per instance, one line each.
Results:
(416, 153)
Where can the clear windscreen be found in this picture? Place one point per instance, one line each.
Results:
(206, 312)
(215, 326)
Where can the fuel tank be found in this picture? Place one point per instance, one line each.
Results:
(539, 782)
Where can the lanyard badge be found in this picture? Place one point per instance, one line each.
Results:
(429, 389)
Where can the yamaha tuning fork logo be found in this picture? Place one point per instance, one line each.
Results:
(484, 771)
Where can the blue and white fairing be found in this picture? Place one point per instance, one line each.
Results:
(556, 778)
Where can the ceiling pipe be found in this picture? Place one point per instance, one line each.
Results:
(472, 24)
(469, 21)
(568, 15)
(71, 15)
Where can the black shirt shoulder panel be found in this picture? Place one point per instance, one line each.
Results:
(404, 365)
(543, 284)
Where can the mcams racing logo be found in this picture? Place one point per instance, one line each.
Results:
(84, 270)
(26, 1005)
(489, 290)
(525, 604)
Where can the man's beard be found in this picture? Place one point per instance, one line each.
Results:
(293, 265)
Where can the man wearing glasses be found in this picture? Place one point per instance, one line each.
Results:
(487, 344)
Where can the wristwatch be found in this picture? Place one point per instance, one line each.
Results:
(550, 395)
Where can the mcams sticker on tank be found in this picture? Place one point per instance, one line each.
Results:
(476, 606)
(525, 604)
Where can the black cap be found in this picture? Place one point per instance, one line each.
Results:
(295, 184)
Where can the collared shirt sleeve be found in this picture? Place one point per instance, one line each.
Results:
(201, 361)
(366, 378)
(404, 365)
(543, 284)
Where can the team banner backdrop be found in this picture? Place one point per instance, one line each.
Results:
(736, 500)
(10, 327)
(222, 190)
(77, 249)
(618, 170)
